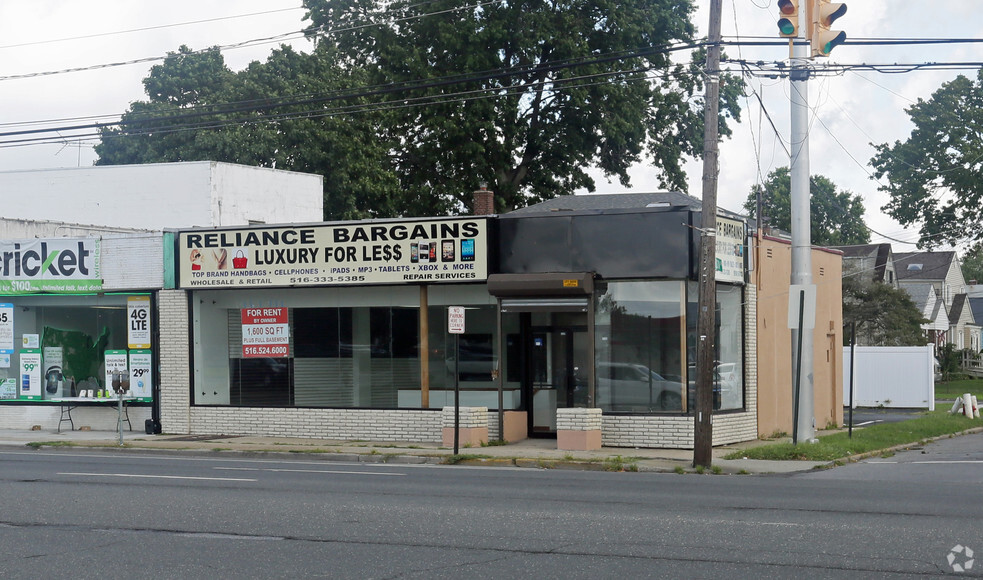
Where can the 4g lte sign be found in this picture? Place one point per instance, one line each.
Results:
(138, 321)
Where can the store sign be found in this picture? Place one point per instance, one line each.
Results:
(57, 265)
(30, 374)
(731, 240)
(141, 379)
(443, 251)
(265, 333)
(138, 321)
(7, 328)
(8, 388)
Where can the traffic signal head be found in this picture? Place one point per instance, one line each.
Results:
(788, 18)
(824, 40)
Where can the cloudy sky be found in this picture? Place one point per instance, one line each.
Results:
(848, 111)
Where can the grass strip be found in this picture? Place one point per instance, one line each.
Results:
(950, 390)
(865, 440)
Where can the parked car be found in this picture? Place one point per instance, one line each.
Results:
(630, 387)
(729, 379)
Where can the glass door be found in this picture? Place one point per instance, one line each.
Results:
(559, 365)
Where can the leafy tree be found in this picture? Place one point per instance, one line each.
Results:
(525, 95)
(836, 217)
(950, 362)
(884, 315)
(972, 264)
(200, 110)
(935, 178)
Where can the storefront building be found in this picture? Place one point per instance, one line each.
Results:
(339, 330)
(78, 315)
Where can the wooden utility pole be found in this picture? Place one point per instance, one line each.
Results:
(705, 325)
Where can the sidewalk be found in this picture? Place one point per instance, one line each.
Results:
(534, 453)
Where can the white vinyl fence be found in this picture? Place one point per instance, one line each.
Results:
(891, 376)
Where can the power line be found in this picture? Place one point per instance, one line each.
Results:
(378, 90)
(147, 28)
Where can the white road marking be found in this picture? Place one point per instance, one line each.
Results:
(305, 470)
(865, 423)
(154, 476)
(935, 462)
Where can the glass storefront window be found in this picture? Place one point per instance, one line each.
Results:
(728, 385)
(478, 348)
(62, 345)
(338, 347)
(646, 347)
(640, 330)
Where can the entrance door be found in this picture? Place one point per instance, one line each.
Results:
(558, 364)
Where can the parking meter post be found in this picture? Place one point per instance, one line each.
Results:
(119, 416)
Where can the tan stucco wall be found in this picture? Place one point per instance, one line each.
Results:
(772, 274)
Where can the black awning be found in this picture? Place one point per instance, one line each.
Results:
(555, 284)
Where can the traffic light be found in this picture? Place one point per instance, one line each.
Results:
(788, 18)
(824, 40)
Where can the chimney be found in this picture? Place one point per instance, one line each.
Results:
(484, 201)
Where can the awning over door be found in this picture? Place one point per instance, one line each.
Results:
(544, 284)
(545, 304)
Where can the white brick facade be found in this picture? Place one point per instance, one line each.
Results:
(468, 417)
(370, 424)
(578, 419)
(175, 366)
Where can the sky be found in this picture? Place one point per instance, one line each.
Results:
(848, 112)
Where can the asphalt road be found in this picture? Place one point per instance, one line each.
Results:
(74, 513)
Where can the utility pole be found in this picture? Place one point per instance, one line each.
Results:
(706, 318)
(804, 421)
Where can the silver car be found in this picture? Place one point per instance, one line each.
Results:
(629, 387)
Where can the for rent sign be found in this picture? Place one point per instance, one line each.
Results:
(432, 251)
(265, 333)
(49, 265)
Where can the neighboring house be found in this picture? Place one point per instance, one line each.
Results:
(941, 272)
(932, 309)
(869, 263)
(964, 331)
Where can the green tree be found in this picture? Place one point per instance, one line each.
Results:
(836, 217)
(972, 264)
(200, 110)
(525, 95)
(884, 315)
(935, 178)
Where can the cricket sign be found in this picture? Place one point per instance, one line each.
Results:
(414, 252)
(49, 265)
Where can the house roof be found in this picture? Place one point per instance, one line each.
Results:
(880, 253)
(976, 306)
(956, 310)
(923, 266)
(921, 295)
(596, 202)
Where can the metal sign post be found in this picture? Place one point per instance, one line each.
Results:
(455, 326)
